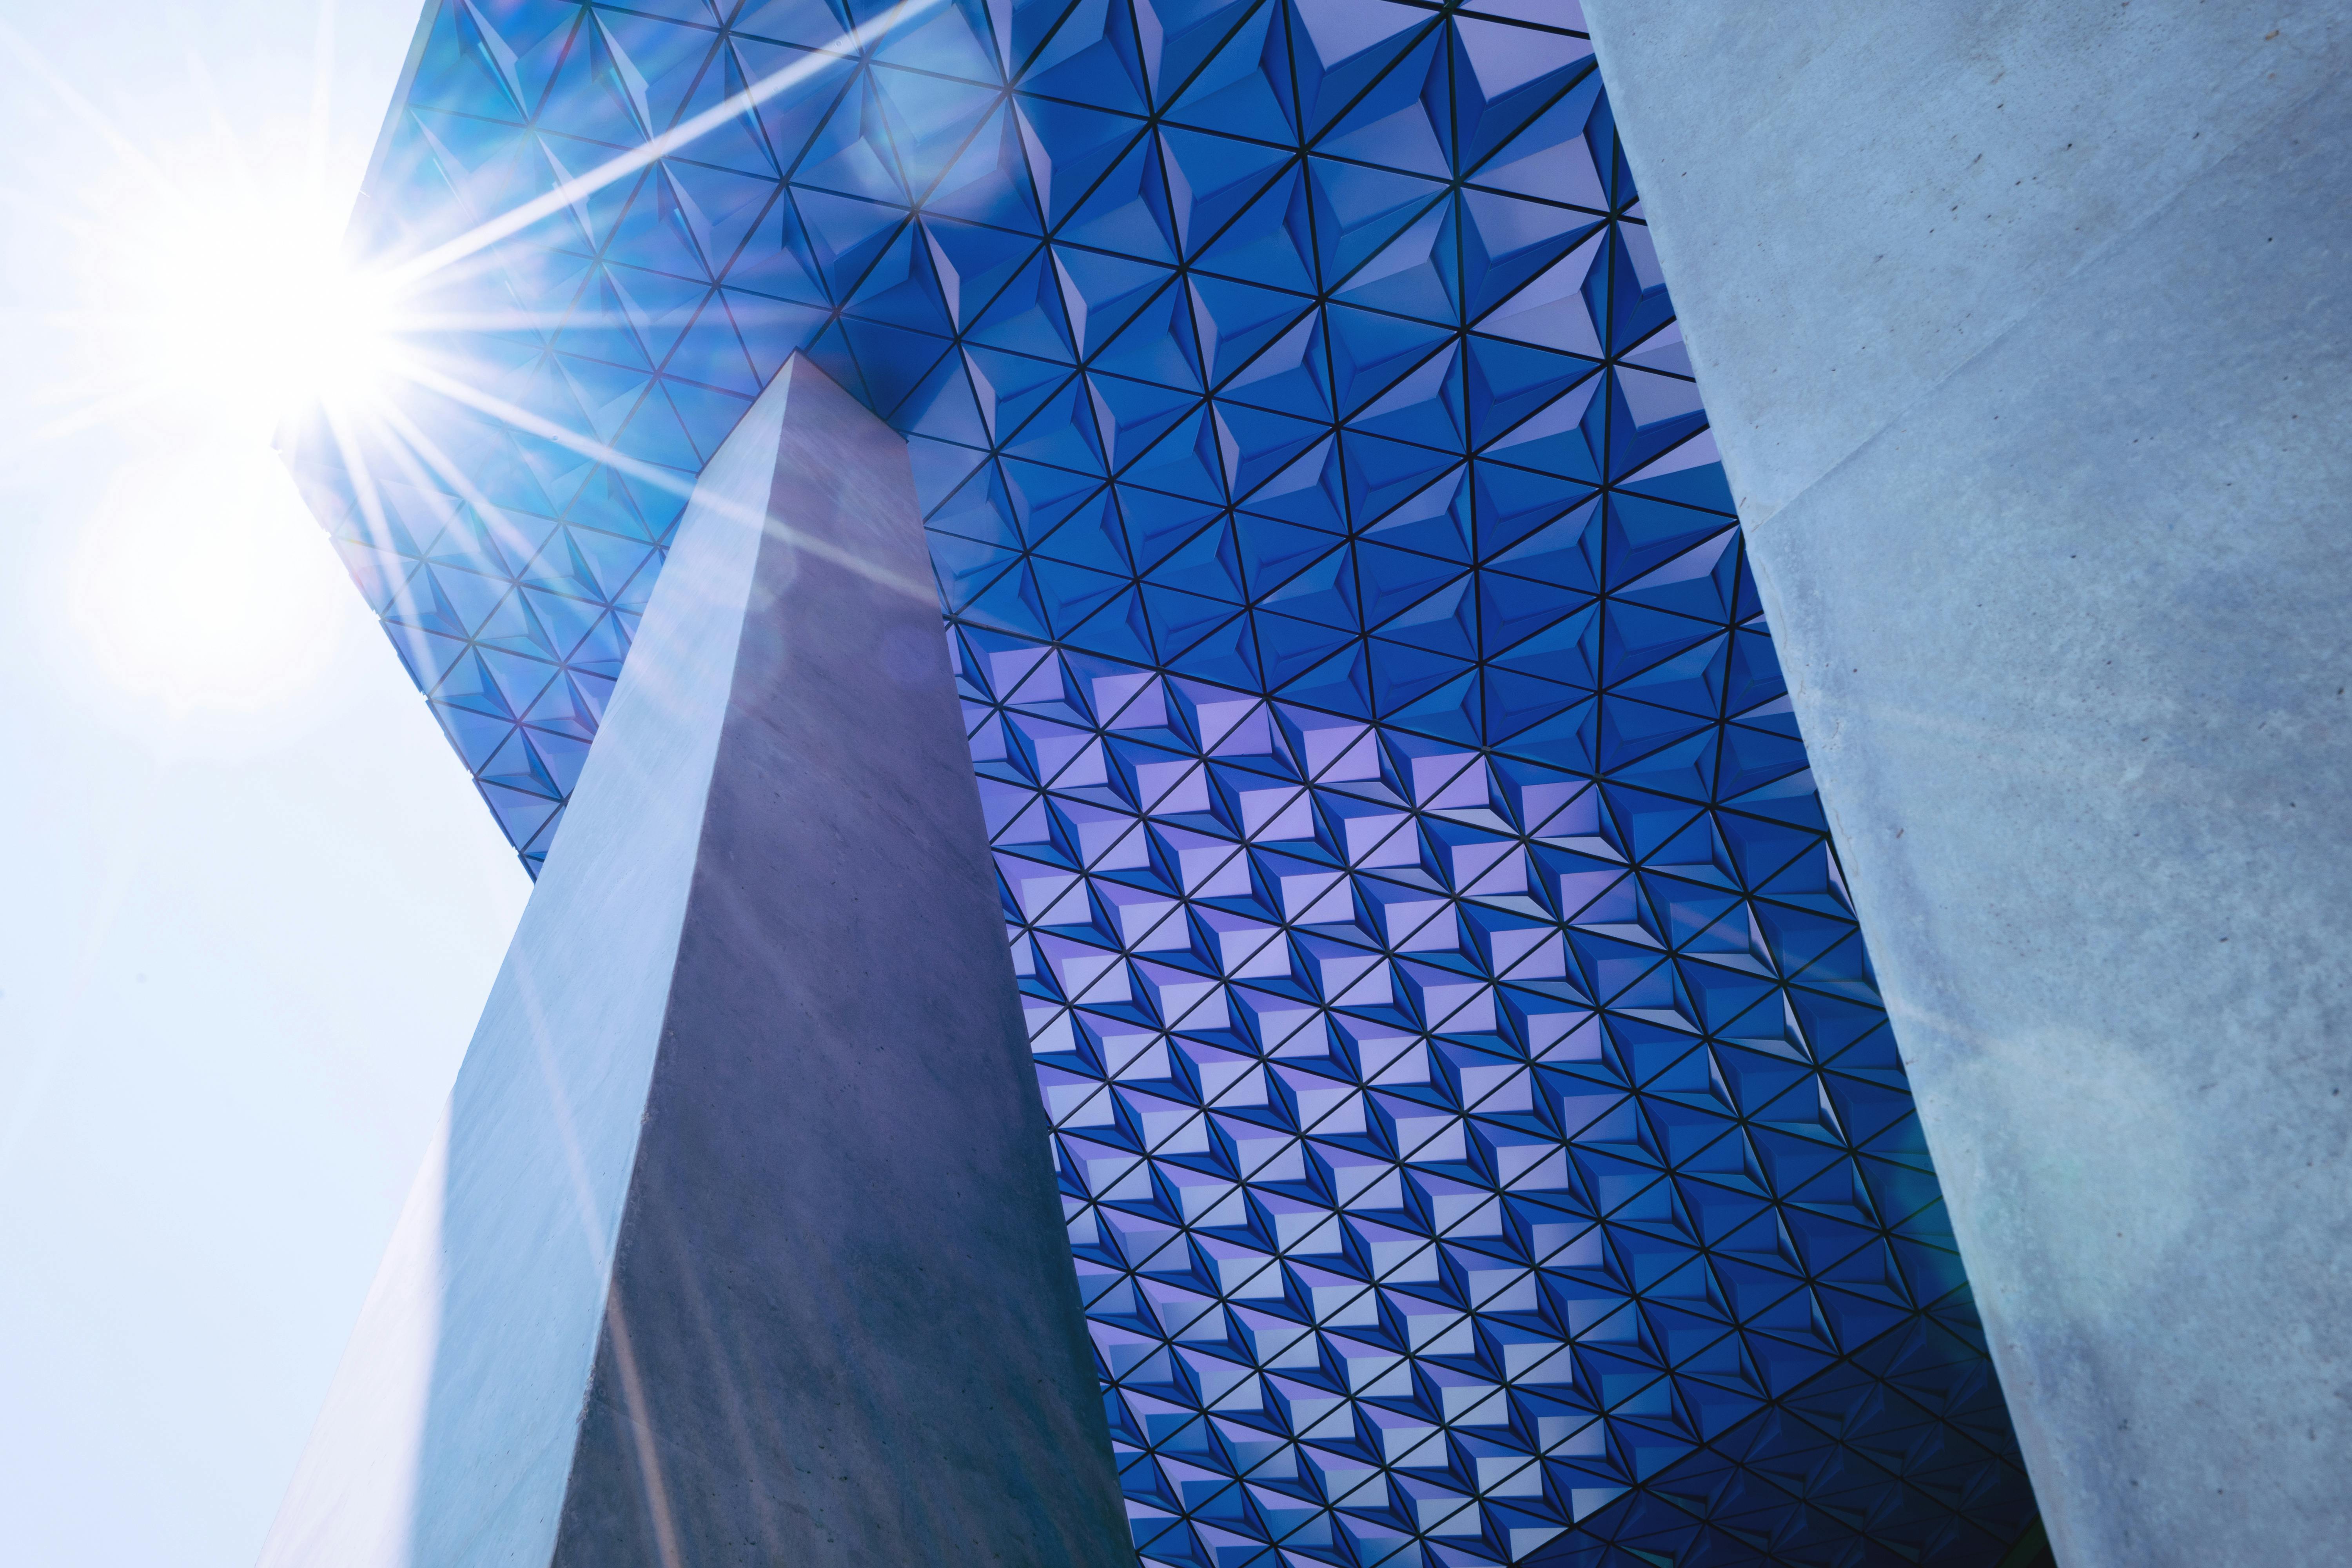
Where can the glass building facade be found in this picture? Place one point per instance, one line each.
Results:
(1480, 1138)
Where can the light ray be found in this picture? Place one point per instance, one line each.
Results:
(89, 113)
(516, 219)
(102, 409)
(323, 57)
(420, 445)
(664, 478)
(450, 474)
(369, 499)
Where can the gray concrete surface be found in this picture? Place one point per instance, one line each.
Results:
(2027, 330)
(740, 1245)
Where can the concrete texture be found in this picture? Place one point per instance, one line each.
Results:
(2027, 330)
(741, 1243)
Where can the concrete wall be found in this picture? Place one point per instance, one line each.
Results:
(845, 1328)
(2027, 330)
(740, 1243)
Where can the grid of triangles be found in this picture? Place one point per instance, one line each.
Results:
(1481, 1138)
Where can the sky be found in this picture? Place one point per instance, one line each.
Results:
(249, 903)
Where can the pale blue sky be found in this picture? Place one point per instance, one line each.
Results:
(249, 903)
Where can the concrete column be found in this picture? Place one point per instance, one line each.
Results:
(2027, 331)
(740, 1243)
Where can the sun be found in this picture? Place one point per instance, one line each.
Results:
(216, 307)
(246, 300)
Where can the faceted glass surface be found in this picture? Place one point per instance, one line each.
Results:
(1481, 1138)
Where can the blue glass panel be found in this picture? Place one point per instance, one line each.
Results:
(1481, 1138)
